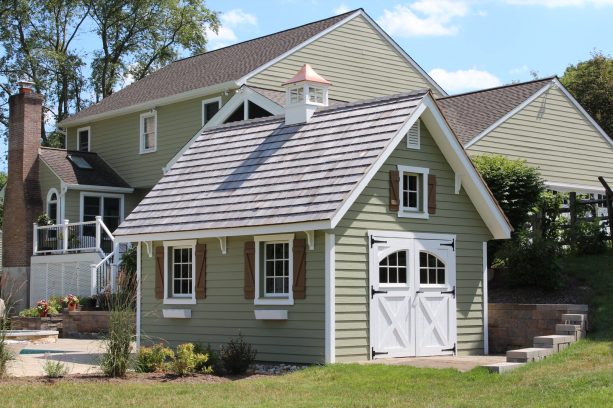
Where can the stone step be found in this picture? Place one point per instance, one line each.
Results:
(557, 342)
(575, 330)
(575, 318)
(501, 368)
(526, 355)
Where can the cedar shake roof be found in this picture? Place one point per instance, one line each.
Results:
(211, 68)
(471, 113)
(263, 172)
(101, 174)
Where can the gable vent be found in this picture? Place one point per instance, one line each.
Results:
(413, 137)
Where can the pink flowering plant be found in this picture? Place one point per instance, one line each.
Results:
(71, 300)
(42, 307)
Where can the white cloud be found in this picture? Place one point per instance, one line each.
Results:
(230, 21)
(464, 80)
(561, 3)
(423, 18)
(342, 9)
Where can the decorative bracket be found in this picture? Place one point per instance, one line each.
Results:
(149, 246)
(458, 183)
(310, 239)
(223, 243)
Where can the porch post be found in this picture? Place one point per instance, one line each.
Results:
(35, 239)
(65, 237)
(98, 239)
(94, 285)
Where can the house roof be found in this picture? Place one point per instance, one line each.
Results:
(471, 113)
(62, 163)
(211, 68)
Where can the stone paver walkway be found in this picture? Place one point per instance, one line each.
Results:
(460, 363)
(79, 356)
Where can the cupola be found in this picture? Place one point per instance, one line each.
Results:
(305, 92)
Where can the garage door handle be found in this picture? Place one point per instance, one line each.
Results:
(373, 292)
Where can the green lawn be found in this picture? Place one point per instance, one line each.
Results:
(581, 376)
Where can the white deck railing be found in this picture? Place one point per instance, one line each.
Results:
(90, 236)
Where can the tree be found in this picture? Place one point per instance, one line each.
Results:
(591, 83)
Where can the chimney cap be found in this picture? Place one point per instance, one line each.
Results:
(308, 74)
(25, 86)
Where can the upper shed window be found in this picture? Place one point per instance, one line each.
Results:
(412, 192)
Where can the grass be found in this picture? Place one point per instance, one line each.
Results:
(581, 376)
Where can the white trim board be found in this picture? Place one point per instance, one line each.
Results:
(486, 347)
(330, 298)
(577, 188)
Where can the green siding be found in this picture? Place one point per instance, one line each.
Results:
(552, 135)
(117, 141)
(358, 61)
(47, 180)
(224, 313)
(455, 214)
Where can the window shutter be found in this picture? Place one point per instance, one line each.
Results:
(394, 187)
(200, 271)
(159, 272)
(413, 137)
(250, 270)
(431, 194)
(299, 252)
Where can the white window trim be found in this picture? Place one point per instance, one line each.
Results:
(57, 204)
(405, 212)
(206, 102)
(179, 300)
(143, 116)
(89, 138)
(92, 194)
(260, 298)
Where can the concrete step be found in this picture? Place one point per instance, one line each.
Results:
(575, 318)
(504, 367)
(526, 355)
(557, 342)
(575, 330)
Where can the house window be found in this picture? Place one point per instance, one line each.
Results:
(431, 269)
(52, 206)
(179, 282)
(209, 108)
(274, 269)
(109, 207)
(413, 193)
(148, 132)
(83, 136)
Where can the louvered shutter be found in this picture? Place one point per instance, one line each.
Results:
(200, 271)
(394, 187)
(159, 272)
(414, 136)
(249, 270)
(431, 194)
(299, 284)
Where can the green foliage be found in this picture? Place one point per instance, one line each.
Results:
(188, 361)
(527, 260)
(154, 359)
(214, 361)
(54, 369)
(591, 83)
(515, 185)
(44, 220)
(586, 238)
(237, 355)
(548, 221)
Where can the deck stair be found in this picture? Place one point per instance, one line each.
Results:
(572, 328)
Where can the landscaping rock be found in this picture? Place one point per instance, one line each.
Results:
(276, 369)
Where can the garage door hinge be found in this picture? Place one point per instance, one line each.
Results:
(454, 349)
(374, 353)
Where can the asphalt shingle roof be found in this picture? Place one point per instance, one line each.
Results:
(263, 172)
(101, 174)
(211, 68)
(471, 113)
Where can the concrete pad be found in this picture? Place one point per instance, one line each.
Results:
(79, 356)
(504, 367)
(460, 363)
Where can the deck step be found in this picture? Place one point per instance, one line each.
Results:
(504, 367)
(557, 342)
(575, 330)
(529, 354)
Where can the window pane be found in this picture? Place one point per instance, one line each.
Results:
(412, 183)
(413, 200)
(270, 251)
(423, 275)
(382, 274)
(84, 141)
(270, 285)
(402, 275)
(256, 111)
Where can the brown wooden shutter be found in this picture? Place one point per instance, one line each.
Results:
(200, 271)
(394, 187)
(159, 272)
(299, 284)
(431, 194)
(250, 270)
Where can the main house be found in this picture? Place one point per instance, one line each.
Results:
(119, 149)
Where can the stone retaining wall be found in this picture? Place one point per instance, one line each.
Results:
(514, 326)
(37, 323)
(77, 324)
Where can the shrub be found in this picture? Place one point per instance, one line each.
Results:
(237, 355)
(153, 359)
(118, 344)
(55, 369)
(214, 361)
(586, 238)
(188, 361)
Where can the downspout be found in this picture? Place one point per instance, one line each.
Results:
(138, 294)
(486, 347)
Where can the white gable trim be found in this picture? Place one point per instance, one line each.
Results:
(509, 115)
(583, 111)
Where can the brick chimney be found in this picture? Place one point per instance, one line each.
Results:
(22, 201)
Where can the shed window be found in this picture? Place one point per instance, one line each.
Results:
(431, 269)
(393, 268)
(182, 269)
(276, 268)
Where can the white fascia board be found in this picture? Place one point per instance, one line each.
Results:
(583, 111)
(577, 188)
(244, 94)
(102, 189)
(227, 232)
(270, 63)
(458, 159)
(195, 93)
(389, 149)
(509, 115)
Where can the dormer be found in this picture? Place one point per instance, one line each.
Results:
(304, 93)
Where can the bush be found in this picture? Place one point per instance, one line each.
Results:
(586, 238)
(153, 359)
(237, 355)
(55, 369)
(529, 261)
(214, 361)
(118, 344)
(188, 361)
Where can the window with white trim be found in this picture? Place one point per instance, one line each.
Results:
(148, 132)
(83, 139)
(179, 265)
(413, 191)
(274, 269)
(209, 108)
